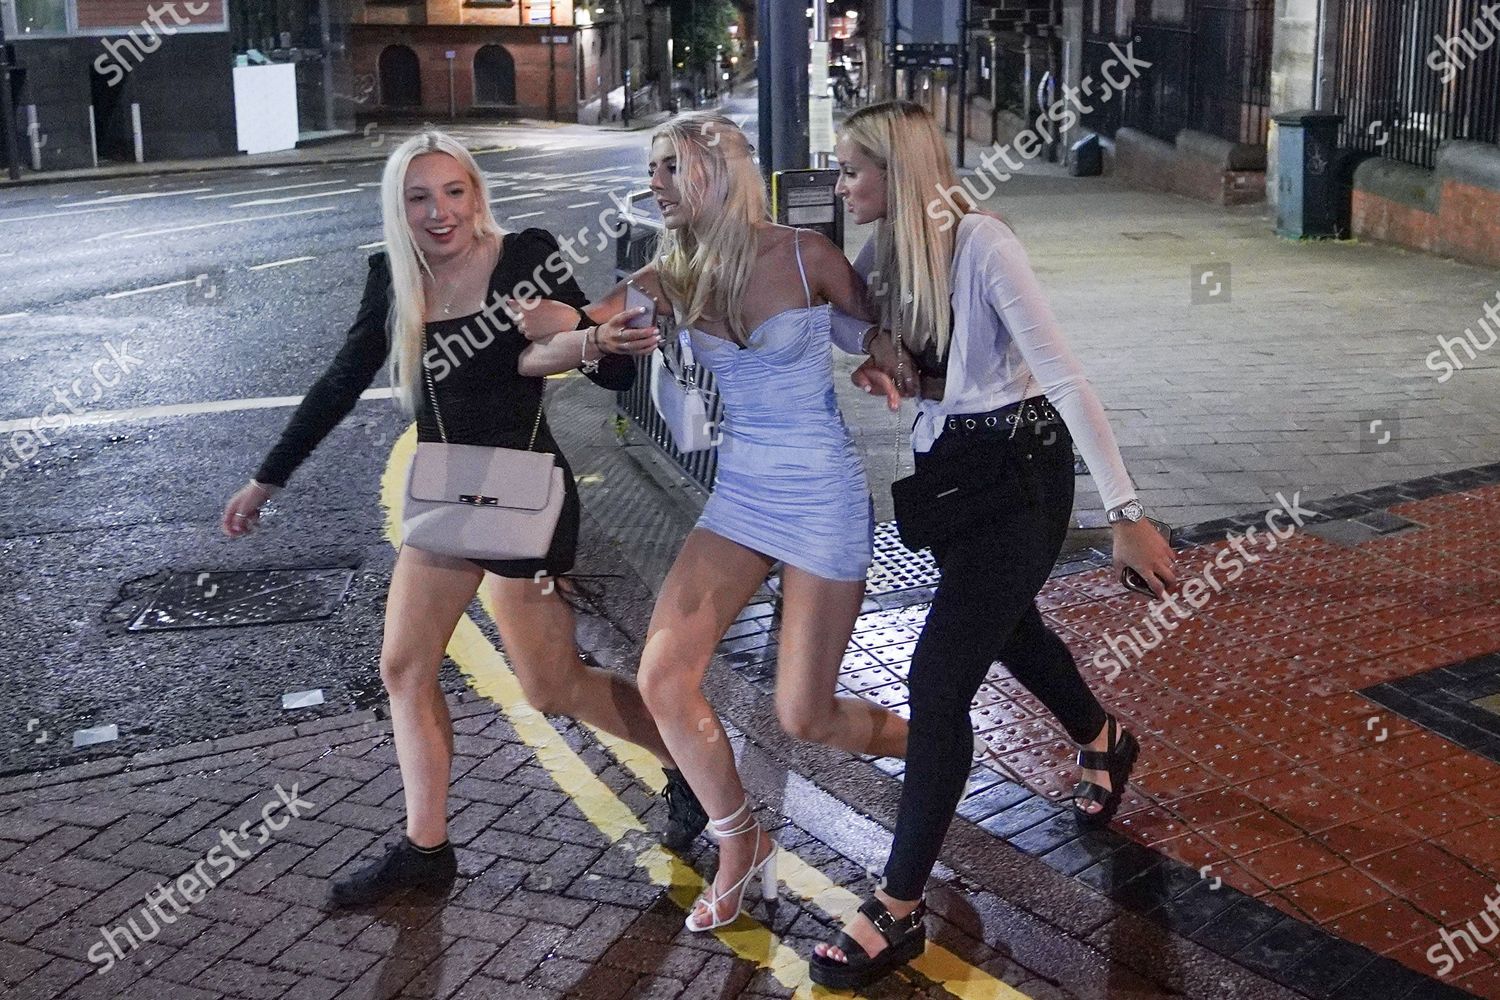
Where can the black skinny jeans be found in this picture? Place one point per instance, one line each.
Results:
(985, 610)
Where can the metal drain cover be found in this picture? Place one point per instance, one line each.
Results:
(897, 567)
(221, 598)
(1360, 529)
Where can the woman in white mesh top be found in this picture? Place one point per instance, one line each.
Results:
(965, 325)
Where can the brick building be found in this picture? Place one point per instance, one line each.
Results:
(105, 80)
(486, 58)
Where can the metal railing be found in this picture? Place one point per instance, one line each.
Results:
(1412, 74)
(1210, 73)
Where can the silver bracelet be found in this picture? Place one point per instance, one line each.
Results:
(584, 364)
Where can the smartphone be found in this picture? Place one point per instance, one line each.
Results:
(637, 299)
(1129, 578)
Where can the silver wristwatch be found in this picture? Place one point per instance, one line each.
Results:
(1130, 510)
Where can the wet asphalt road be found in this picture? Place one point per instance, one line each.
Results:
(91, 525)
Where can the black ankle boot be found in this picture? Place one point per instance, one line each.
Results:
(404, 866)
(685, 816)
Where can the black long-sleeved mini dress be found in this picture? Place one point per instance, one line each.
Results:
(483, 398)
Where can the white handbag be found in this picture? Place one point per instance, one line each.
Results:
(682, 403)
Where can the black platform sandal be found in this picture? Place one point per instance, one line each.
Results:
(1118, 760)
(905, 939)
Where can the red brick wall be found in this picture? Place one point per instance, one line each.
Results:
(1466, 224)
(1470, 222)
(1142, 161)
(97, 14)
(430, 44)
(1387, 221)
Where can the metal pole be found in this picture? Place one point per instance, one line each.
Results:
(820, 34)
(789, 95)
(764, 46)
(552, 61)
(963, 79)
(12, 150)
(325, 30)
(893, 27)
(625, 61)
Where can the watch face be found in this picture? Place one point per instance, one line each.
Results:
(1134, 511)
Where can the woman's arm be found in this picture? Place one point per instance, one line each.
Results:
(336, 391)
(1011, 289)
(611, 344)
(834, 280)
(607, 340)
(561, 339)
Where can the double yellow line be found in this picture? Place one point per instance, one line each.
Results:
(490, 675)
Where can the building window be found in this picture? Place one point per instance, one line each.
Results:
(40, 16)
(494, 76)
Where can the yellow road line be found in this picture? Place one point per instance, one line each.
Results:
(489, 675)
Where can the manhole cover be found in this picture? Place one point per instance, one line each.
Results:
(897, 567)
(1360, 529)
(215, 599)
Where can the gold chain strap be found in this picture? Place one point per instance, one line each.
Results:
(536, 426)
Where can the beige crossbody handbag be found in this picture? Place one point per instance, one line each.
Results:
(478, 502)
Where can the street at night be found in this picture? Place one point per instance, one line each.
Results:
(1241, 310)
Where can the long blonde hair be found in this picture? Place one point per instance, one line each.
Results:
(705, 266)
(912, 282)
(408, 313)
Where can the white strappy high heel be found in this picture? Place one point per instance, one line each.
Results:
(739, 822)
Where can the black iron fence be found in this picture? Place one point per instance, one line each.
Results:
(1412, 74)
(1210, 73)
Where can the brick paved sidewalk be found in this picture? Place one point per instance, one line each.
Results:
(547, 905)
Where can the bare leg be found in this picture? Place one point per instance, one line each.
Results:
(817, 617)
(711, 580)
(428, 594)
(536, 628)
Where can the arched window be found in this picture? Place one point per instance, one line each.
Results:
(400, 78)
(494, 76)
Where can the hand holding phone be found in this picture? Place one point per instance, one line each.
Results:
(1133, 581)
(635, 298)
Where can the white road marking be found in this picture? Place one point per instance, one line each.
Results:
(150, 288)
(279, 263)
(534, 156)
(524, 215)
(370, 246)
(175, 410)
(584, 204)
(513, 197)
(116, 198)
(293, 197)
(55, 215)
(126, 234)
(15, 315)
(279, 187)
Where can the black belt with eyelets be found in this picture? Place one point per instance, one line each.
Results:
(1036, 410)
